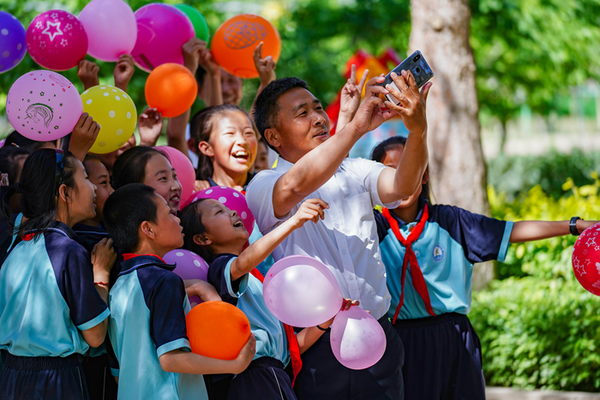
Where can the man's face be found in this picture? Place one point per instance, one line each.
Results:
(302, 124)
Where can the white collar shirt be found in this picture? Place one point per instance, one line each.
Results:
(346, 240)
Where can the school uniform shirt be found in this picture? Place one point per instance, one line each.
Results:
(47, 295)
(89, 236)
(246, 293)
(452, 240)
(148, 307)
(346, 240)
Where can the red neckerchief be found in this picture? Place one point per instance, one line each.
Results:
(410, 257)
(129, 256)
(291, 337)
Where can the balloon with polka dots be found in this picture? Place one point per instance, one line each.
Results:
(114, 110)
(43, 105)
(12, 41)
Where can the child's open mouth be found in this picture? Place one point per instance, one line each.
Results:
(241, 156)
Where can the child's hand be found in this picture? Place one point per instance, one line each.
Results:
(208, 62)
(202, 289)
(201, 185)
(150, 125)
(4, 180)
(191, 53)
(264, 66)
(123, 71)
(83, 137)
(87, 72)
(412, 102)
(311, 209)
(103, 259)
(246, 354)
(351, 93)
(347, 303)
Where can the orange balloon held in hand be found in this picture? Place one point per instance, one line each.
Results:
(234, 42)
(217, 329)
(171, 89)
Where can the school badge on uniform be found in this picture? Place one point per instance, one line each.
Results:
(438, 253)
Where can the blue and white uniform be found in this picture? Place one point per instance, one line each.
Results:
(47, 297)
(148, 308)
(443, 354)
(265, 378)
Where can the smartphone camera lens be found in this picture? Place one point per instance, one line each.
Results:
(417, 58)
(418, 70)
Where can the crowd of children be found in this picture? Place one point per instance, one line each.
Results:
(90, 310)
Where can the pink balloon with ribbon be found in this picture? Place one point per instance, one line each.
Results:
(56, 40)
(189, 266)
(183, 167)
(301, 291)
(233, 199)
(357, 339)
(43, 105)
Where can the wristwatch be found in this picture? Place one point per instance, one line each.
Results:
(573, 226)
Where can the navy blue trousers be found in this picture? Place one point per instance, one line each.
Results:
(323, 378)
(48, 378)
(443, 358)
(264, 379)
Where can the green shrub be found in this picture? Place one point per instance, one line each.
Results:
(539, 333)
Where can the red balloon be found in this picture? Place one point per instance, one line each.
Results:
(56, 40)
(586, 259)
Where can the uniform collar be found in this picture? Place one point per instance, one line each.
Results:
(141, 261)
(401, 223)
(81, 228)
(54, 226)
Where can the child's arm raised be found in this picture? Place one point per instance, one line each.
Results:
(526, 231)
(124, 71)
(184, 362)
(350, 98)
(312, 209)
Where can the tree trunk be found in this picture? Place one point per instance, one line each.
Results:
(440, 29)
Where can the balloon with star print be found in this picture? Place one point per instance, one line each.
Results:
(586, 259)
(56, 40)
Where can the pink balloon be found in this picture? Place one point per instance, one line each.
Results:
(357, 339)
(233, 199)
(43, 105)
(162, 31)
(111, 28)
(184, 168)
(189, 266)
(301, 291)
(56, 40)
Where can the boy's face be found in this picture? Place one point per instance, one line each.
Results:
(302, 124)
(167, 230)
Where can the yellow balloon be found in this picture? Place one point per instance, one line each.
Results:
(114, 110)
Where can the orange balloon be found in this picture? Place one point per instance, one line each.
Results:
(217, 329)
(234, 42)
(171, 89)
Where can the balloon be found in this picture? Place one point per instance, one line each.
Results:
(114, 110)
(197, 20)
(111, 28)
(171, 89)
(162, 32)
(234, 42)
(217, 329)
(12, 41)
(357, 339)
(233, 199)
(586, 259)
(189, 266)
(183, 167)
(56, 40)
(301, 291)
(43, 105)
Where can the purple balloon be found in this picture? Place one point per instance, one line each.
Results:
(301, 291)
(189, 266)
(357, 339)
(12, 41)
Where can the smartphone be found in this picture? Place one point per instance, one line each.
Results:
(416, 64)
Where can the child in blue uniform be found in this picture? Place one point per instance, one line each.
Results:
(52, 299)
(218, 234)
(148, 303)
(429, 252)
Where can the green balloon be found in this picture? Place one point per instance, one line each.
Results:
(198, 21)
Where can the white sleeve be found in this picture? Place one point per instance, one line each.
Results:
(368, 172)
(259, 196)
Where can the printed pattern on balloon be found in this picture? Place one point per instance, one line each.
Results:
(242, 34)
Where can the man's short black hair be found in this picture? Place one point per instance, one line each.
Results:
(124, 212)
(266, 108)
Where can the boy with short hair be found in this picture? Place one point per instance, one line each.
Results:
(147, 329)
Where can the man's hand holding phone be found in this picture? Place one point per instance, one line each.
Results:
(412, 106)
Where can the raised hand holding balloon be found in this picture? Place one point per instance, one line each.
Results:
(12, 41)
